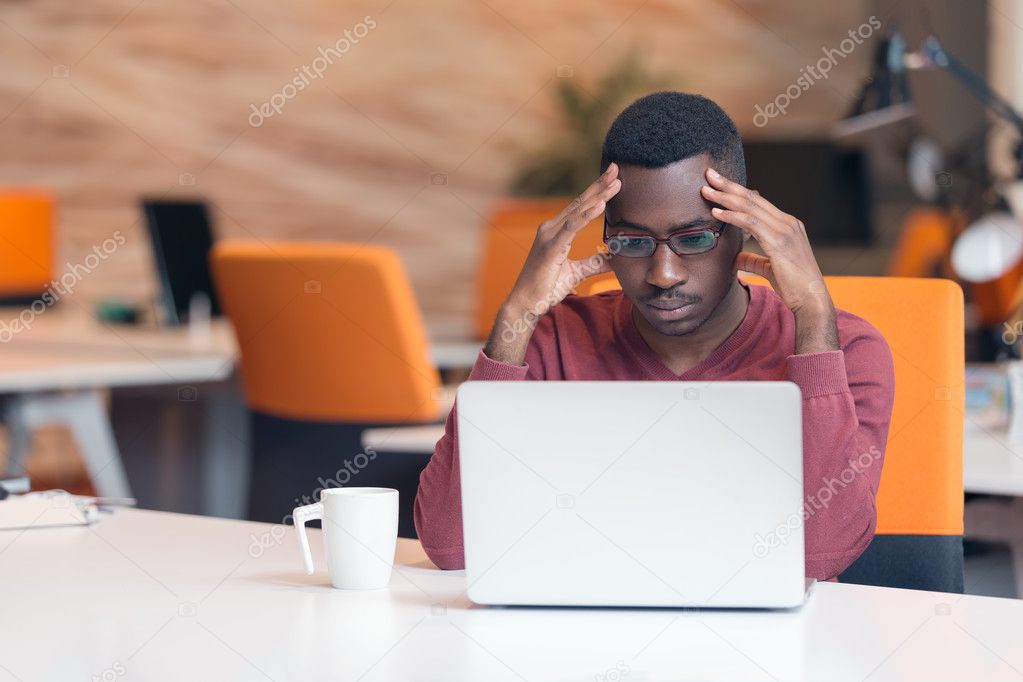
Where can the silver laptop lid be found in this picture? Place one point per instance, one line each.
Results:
(632, 493)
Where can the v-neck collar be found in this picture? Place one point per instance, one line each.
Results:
(655, 367)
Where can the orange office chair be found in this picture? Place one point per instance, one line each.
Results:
(598, 284)
(26, 244)
(331, 343)
(925, 243)
(920, 499)
(919, 541)
(510, 234)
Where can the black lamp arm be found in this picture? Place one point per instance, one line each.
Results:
(974, 83)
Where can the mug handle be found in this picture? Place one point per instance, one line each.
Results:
(303, 515)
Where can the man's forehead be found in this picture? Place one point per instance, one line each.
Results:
(662, 196)
(681, 178)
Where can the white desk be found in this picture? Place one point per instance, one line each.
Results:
(991, 464)
(156, 596)
(70, 329)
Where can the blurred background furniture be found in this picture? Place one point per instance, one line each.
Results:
(57, 373)
(27, 249)
(331, 343)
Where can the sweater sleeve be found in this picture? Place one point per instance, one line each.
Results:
(438, 506)
(847, 407)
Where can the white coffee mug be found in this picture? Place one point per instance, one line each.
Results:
(360, 531)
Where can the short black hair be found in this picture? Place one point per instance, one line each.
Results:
(667, 127)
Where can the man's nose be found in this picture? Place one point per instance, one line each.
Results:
(665, 269)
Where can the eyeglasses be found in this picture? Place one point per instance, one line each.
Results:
(685, 243)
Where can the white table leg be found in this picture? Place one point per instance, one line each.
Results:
(226, 457)
(84, 413)
(19, 435)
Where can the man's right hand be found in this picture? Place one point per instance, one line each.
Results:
(548, 275)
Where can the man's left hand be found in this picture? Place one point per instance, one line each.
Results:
(788, 264)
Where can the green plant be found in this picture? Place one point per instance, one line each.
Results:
(568, 162)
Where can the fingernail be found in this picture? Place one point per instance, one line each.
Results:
(715, 210)
(714, 173)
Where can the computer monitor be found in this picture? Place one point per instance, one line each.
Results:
(182, 238)
(826, 186)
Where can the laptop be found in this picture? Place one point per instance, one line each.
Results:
(632, 494)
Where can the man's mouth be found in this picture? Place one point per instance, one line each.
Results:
(671, 309)
(671, 303)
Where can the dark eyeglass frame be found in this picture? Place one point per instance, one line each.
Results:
(716, 231)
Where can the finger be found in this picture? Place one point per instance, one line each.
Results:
(585, 213)
(577, 221)
(599, 186)
(743, 203)
(722, 184)
(742, 220)
(758, 265)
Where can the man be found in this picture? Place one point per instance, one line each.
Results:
(676, 215)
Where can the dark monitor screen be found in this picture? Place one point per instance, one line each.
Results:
(825, 186)
(182, 239)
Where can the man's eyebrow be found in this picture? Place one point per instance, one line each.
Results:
(689, 224)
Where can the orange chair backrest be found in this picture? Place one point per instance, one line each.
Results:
(509, 236)
(924, 246)
(921, 490)
(598, 284)
(26, 242)
(327, 331)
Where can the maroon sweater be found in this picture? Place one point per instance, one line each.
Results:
(847, 406)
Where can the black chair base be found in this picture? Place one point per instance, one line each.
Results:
(293, 460)
(916, 562)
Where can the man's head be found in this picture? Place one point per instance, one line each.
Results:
(663, 144)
